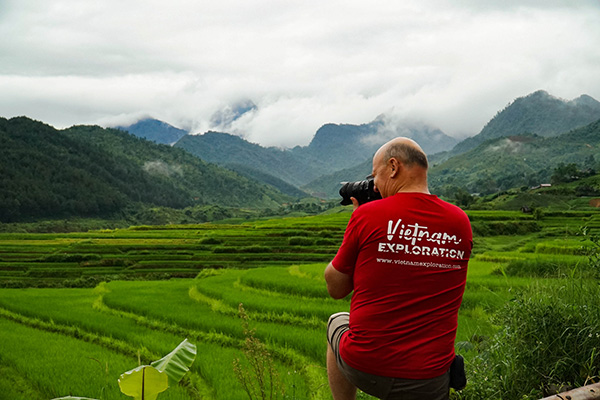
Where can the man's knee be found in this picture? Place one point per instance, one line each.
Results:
(336, 326)
(336, 315)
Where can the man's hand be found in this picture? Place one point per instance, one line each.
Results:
(355, 203)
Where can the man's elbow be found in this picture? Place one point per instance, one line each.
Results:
(339, 285)
(336, 293)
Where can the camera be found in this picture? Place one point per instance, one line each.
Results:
(361, 190)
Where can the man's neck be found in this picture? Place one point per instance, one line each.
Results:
(413, 187)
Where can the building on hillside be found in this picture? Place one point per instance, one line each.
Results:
(543, 185)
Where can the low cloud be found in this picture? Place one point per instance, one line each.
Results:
(452, 65)
(507, 145)
(159, 167)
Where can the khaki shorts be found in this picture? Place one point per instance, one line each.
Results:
(384, 387)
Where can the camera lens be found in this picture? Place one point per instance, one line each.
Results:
(363, 191)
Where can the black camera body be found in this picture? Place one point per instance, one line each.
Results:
(363, 191)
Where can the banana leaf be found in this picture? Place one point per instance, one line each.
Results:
(177, 363)
(143, 383)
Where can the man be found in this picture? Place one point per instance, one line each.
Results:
(405, 258)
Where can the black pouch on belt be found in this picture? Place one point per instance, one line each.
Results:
(458, 379)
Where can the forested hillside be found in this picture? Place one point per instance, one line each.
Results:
(269, 179)
(89, 171)
(334, 147)
(342, 146)
(92, 171)
(227, 150)
(329, 185)
(507, 162)
(342, 152)
(497, 164)
(538, 113)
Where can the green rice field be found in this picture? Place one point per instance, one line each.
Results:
(79, 309)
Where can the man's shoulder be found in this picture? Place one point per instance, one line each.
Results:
(448, 205)
(372, 211)
(408, 200)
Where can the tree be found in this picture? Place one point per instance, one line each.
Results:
(565, 173)
(463, 198)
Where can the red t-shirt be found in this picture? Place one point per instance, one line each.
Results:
(407, 255)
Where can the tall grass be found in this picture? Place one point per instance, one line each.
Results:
(57, 366)
(550, 339)
(75, 315)
(169, 303)
(280, 280)
(75, 307)
(551, 268)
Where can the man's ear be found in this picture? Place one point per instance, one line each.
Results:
(395, 167)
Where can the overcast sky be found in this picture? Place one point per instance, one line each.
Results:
(303, 63)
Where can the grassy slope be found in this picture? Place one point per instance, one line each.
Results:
(287, 303)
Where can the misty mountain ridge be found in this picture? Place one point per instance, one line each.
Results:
(233, 151)
(224, 118)
(161, 132)
(538, 113)
(495, 165)
(343, 152)
(334, 147)
(155, 131)
(93, 171)
(514, 161)
(343, 145)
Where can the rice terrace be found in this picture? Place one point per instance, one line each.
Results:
(79, 309)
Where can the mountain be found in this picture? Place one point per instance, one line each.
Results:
(495, 165)
(328, 186)
(154, 130)
(538, 113)
(333, 148)
(343, 152)
(268, 179)
(229, 150)
(224, 118)
(344, 146)
(92, 171)
(521, 160)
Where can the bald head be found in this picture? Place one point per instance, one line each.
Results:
(400, 165)
(406, 151)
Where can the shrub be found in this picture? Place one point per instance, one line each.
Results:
(63, 257)
(116, 262)
(225, 249)
(327, 242)
(550, 268)
(290, 232)
(300, 241)
(258, 375)
(550, 340)
(53, 273)
(245, 249)
(256, 249)
(210, 240)
(326, 234)
(504, 228)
